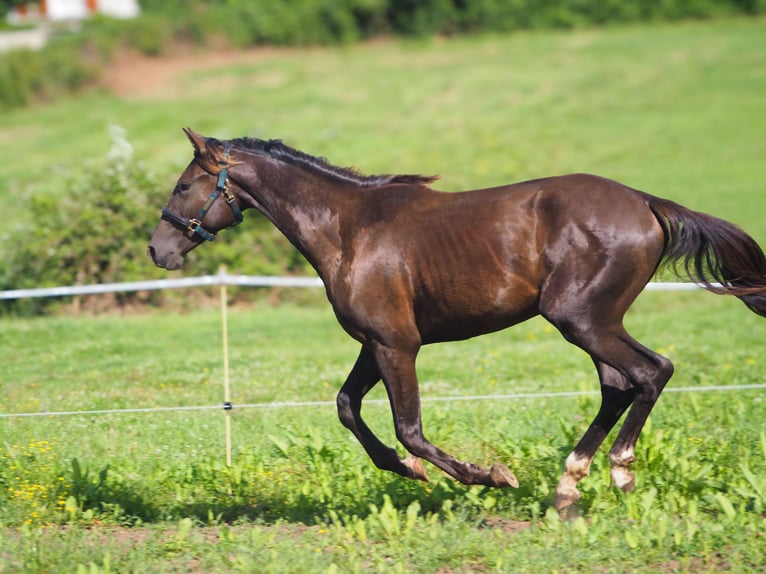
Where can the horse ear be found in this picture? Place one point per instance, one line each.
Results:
(207, 156)
(198, 141)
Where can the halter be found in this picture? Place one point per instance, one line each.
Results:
(222, 187)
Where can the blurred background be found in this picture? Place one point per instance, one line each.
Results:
(663, 96)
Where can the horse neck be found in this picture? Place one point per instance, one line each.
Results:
(307, 208)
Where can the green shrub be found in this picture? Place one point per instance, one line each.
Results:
(88, 233)
(17, 78)
(147, 35)
(61, 67)
(95, 226)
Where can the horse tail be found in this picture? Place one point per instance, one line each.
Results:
(713, 252)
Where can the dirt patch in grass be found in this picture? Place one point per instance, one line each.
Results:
(132, 75)
(506, 524)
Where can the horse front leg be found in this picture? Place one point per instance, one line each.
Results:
(363, 377)
(397, 368)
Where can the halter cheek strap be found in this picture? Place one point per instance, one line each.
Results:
(222, 187)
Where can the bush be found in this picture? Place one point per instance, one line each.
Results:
(63, 66)
(27, 76)
(90, 233)
(96, 231)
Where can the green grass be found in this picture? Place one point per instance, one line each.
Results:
(675, 110)
(151, 491)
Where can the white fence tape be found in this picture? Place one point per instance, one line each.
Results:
(181, 283)
(221, 279)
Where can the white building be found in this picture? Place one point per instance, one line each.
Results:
(68, 10)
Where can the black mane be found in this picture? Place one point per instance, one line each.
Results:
(282, 152)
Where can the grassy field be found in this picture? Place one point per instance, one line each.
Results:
(151, 491)
(675, 110)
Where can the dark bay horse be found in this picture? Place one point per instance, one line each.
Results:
(405, 265)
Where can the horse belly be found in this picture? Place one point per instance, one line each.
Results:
(478, 278)
(469, 306)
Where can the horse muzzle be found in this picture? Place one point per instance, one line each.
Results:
(170, 260)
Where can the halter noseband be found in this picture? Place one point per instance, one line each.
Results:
(222, 187)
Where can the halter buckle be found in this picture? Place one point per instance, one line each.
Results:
(194, 224)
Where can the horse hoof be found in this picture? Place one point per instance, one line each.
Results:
(502, 477)
(624, 479)
(565, 498)
(417, 470)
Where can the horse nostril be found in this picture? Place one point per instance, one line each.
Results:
(151, 252)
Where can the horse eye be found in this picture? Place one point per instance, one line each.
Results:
(182, 186)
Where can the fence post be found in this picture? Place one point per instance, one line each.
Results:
(227, 406)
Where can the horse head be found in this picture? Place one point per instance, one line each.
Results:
(192, 214)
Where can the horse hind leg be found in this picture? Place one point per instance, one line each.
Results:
(630, 363)
(616, 396)
(622, 453)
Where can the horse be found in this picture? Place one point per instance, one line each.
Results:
(405, 265)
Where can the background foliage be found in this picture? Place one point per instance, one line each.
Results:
(72, 62)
